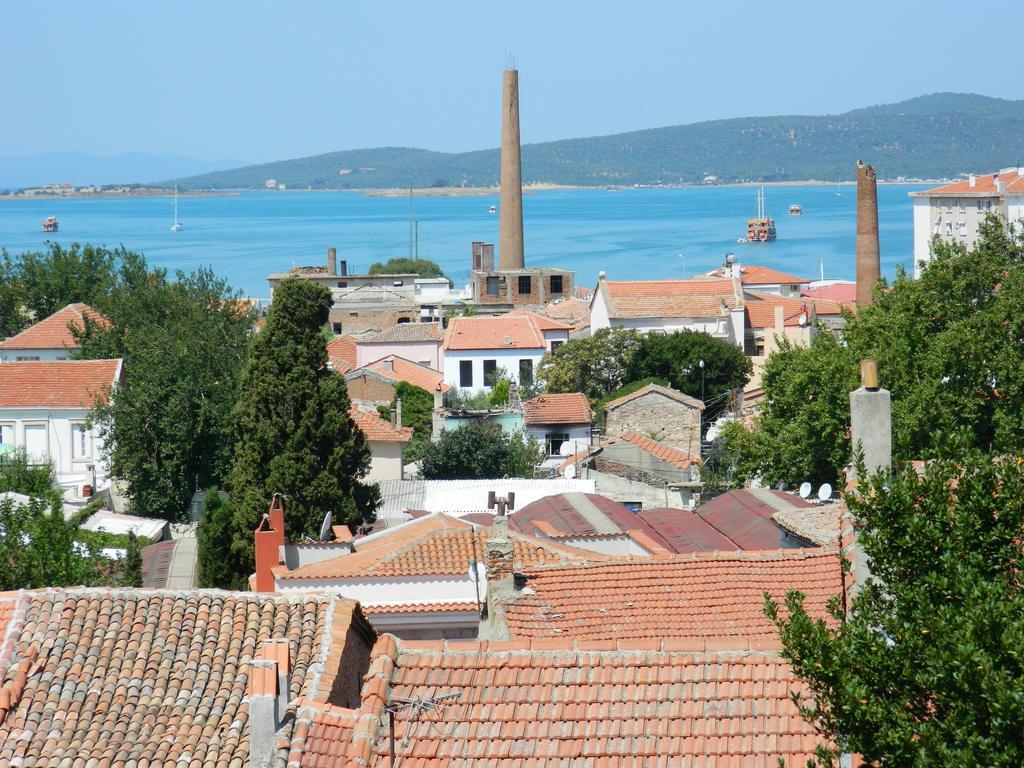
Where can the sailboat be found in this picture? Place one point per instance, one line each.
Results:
(177, 225)
(760, 229)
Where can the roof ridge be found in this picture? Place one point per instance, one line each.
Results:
(702, 648)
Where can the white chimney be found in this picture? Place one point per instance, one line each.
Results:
(972, 180)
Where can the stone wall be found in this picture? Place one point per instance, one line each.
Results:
(659, 417)
(365, 322)
(370, 389)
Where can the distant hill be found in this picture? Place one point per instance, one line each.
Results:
(932, 136)
(82, 169)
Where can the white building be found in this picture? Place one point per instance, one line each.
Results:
(953, 212)
(476, 348)
(559, 420)
(387, 444)
(50, 338)
(44, 407)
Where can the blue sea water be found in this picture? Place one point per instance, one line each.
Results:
(630, 234)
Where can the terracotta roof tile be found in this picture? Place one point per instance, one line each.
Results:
(341, 353)
(543, 321)
(755, 274)
(406, 332)
(139, 677)
(398, 368)
(574, 311)
(54, 332)
(669, 298)
(716, 594)
(442, 607)
(57, 383)
(322, 735)
(673, 456)
(668, 392)
(518, 332)
(984, 185)
(841, 293)
(569, 408)
(377, 429)
(760, 310)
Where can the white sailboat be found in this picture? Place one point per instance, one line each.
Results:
(177, 225)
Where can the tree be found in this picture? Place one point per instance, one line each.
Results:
(594, 365)
(676, 357)
(168, 427)
(926, 670)
(30, 478)
(417, 412)
(481, 450)
(406, 266)
(132, 566)
(295, 433)
(217, 564)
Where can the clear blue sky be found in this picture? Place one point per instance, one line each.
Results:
(274, 80)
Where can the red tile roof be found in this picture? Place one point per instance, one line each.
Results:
(443, 607)
(133, 676)
(341, 353)
(542, 321)
(406, 332)
(436, 545)
(984, 185)
(712, 595)
(841, 293)
(399, 369)
(672, 394)
(54, 332)
(574, 311)
(760, 309)
(465, 333)
(376, 429)
(569, 408)
(57, 383)
(322, 735)
(669, 298)
(754, 274)
(673, 456)
(565, 704)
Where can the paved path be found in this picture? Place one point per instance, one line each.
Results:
(182, 571)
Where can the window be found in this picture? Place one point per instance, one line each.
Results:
(26, 358)
(633, 506)
(342, 284)
(963, 205)
(556, 344)
(553, 441)
(6, 434)
(490, 368)
(424, 363)
(949, 204)
(525, 284)
(526, 372)
(949, 229)
(336, 327)
(963, 229)
(81, 442)
(403, 320)
(937, 228)
(493, 286)
(556, 284)
(35, 443)
(466, 373)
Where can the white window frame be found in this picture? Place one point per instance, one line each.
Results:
(13, 426)
(25, 426)
(87, 458)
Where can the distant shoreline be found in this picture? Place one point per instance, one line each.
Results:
(135, 194)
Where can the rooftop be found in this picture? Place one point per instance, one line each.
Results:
(754, 274)
(377, 429)
(458, 497)
(542, 321)
(468, 333)
(669, 298)
(398, 368)
(407, 332)
(54, 332)
(569, 408)
(984, 185)
(839, 291)
(341, 353)
(760, 310)
(673, 456)
(57, 383)
(673, 394)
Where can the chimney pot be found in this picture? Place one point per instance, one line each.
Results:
(869, 374)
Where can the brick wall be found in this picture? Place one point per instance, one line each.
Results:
(661, 418)
(370, 389)
(365, 322)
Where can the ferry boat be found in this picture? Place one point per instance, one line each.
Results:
(493, 209)
(50, 224)
(796, 210)
(760, 229)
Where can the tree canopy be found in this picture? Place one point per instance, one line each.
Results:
(594, 365)
(295, 433)
(407, 266)
(927, 668)
(417, 412)
(480, 450)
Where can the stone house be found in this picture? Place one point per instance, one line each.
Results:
(662, 413)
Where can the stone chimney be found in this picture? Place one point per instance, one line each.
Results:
(871, 421)
(269, 538)
(868, 264)
(510, 226)
(398, 412)
(332, 261)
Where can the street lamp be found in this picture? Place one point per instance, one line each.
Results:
(701, 364)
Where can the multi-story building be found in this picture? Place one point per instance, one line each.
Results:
(953, 212)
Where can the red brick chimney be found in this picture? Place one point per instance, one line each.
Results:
(868, 266)
(269, 538)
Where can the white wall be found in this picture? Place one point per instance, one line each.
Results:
(427, 352)
(422, 589)
(71, 472)
(621, 545)
(579, 433)
(599, 312)
(14, 355)
(922, 232)
(506, 358)
(385, 460)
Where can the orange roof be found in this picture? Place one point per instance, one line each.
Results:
(675, 457)
(543, 322)
(760, 310)
(668, 298)
(703, 595)
(519, 332)
(569, 408)
(449, 607)
(54, 332)
(435, 545)
(57, 383)
(399, 369)
(840, 292)
(673, 394)
(322, 735)
(573, 310)
(376, 429)
(754, 274)
(567, 704)
(341, 352)
(983, 185)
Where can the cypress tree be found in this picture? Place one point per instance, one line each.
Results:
(295, 433)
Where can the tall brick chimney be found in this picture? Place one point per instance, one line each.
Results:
(868, 264)
(269, 538)
(510, 226)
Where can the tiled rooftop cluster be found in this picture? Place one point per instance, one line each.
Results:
(376, 428)
(54, 332)
(397, 368)
(670, 298)
(569, 408)
(57, 383)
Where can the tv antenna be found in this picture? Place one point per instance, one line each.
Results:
(419, 707)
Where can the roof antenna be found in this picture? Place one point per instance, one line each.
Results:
(420, 706)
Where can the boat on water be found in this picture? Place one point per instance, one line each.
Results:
(796, 210)
(761, 228)
(50, 224)
(177, 225)
(493, 209)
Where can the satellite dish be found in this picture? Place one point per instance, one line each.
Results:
(825, 492)
(325, 527)
(477, 570)
(691, 504)
(570, 472)
(568, 448)
(805, 490)
(712, 434)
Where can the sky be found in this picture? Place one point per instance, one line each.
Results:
(263, 81)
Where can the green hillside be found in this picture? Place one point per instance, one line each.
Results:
(931, 136)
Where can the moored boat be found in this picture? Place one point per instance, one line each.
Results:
(796, 210)
(50, 224)
(760, 229)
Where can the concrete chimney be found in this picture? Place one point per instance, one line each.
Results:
(398, 412)
(499, 558)
(972, 180)
(264, 717)
(871, 421)
(868, 264)
(510, 228)
(332, 261)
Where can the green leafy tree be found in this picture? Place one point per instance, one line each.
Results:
(594, 365)
(295, 433)
(417, 412)
(406, 266)
(927, 668)
(132, 566)
(481, 450)
(676, 358)
(216, 563)
(168, 427)
(30, 478)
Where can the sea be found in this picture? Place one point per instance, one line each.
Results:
(627, 233)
